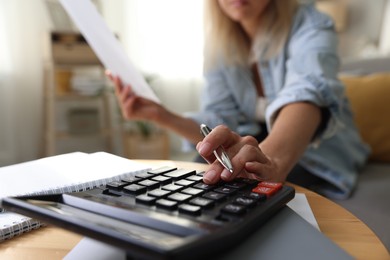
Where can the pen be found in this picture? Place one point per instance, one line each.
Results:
(219, 153)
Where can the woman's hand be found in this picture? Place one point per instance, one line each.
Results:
(247, 159)
(278, 154)
(134, 107)
(138, 108)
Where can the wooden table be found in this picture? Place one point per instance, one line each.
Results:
(335, 222)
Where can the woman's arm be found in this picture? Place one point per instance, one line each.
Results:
(185, 127)
(289, 137)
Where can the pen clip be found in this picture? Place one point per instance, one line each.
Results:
(204, 130)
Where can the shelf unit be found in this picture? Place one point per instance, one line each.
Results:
(71, 116)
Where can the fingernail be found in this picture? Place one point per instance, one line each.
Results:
(225, 175)
(204, 148)
(210, 176)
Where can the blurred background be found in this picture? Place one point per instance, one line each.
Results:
(54, 97)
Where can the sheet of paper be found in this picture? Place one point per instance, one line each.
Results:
(106, 46)
(301, 206)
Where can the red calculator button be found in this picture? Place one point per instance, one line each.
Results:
(264, 190)
(275, 185)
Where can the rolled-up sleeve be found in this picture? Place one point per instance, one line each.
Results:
(311, 76)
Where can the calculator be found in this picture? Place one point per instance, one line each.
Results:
(163, 213)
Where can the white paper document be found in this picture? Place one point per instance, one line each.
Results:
(301, 206)
(106, 46)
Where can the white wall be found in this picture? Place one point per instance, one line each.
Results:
(22, 26)
(164, 43)
(179, 95)
(384, 43)
(363, 32)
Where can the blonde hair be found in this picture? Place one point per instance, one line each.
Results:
(225, 39)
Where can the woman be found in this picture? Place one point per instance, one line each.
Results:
(271, 77)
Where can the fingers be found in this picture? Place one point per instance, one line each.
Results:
(247, 158)
(240, 150)
(213, 174)
(248, 151)
(219, 136)
(124, 94)
(132, 106)
(258, 171)
(109, 74)
(208, 158)
(119, 86)
(115, 79)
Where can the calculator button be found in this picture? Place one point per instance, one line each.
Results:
(162, 179)
(143, 175)
(244, 201)
(166, 204)
(192, 191)
(273, 185)
(226, 190)
(233, 209)
(179, 174)
(236, 185)
(145, 199)
(214, 196)
(194, 178)
(184, 182)
(172, 187)
(200, 174)
(131, 179)
(250, 182)
(158, 193)
(202, 202)
(265, 190)
(204, 186)
(116, 185)
(134, 189)
(256, 196)
(149, 184)
(180, 197)
(190, 209)
(162, 170)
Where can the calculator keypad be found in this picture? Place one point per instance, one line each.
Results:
(180, 191)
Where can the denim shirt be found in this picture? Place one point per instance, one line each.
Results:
(306, 69)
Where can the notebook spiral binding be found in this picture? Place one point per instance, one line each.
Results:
(12, 224)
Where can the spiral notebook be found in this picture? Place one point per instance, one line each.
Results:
(57, 174)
